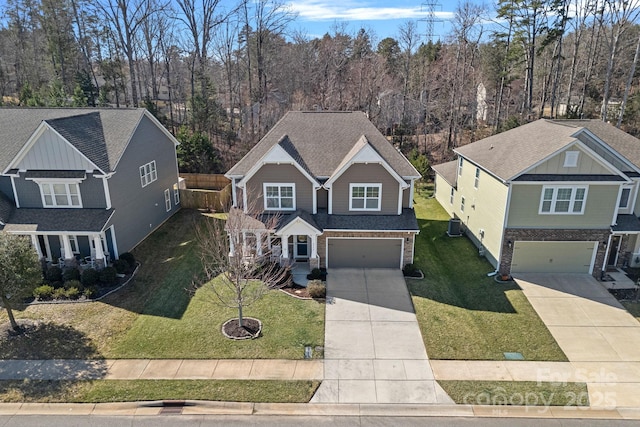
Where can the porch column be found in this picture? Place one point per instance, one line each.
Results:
(69, 259)
(314, 246)
(97, 242)
(36, 244)
(284, 240)
(258, 243)
(232, 246)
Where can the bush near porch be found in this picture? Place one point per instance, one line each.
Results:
(464, 314)
(157, 317)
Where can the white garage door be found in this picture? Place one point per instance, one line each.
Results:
(553, 257)
(364, 253)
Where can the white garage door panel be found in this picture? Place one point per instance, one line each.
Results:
(552, 257)
(364, 253)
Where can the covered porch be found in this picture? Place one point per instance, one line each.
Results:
(68, 237)
(622, 253)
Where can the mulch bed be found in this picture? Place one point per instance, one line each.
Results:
(27, 325)
(624, 294)
(251, 329)
(296, 291)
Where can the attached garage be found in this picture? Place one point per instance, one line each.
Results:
(364, 253)
(553, 257)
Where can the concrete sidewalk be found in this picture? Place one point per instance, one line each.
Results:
(172, 369)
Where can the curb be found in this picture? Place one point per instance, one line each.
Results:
(196, 407)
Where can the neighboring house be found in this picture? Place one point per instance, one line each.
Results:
(85, 183)
(344, 192)
(549, 196)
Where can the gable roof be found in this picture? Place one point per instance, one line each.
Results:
(510, 153)
(322, 140)
(101, 134)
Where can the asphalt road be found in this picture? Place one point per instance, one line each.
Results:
(285, 421)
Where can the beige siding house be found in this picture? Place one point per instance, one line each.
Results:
(549, 196)
(342, 193)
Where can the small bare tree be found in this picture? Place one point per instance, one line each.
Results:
(238, 264)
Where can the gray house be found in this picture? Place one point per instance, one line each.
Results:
(344, 193)
(85, 184)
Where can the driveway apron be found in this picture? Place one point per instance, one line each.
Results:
(598, 336)
(374, 352)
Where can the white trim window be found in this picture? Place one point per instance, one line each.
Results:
(625, 196)
(73, 242)
(462, 204)
(176, 194)
(451, 196)
(476, 181)
(571, 159)
(60, 194)
(563, 199)
(279, 196)
(167, 200)
(460, 162)
(148, 173)
(365, 197)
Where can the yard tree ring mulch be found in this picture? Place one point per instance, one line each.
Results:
(251, 329)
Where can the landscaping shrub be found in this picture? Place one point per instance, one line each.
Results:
(54, 274)
(90, 277)
(71, 274)
(410, 270)
(44, 292)
(73, 293)
(317, 274)
(90, 292)
(317, 289)
(108, 275)
(73, 284)
(121, 266)
(129, 258)
(60, 293)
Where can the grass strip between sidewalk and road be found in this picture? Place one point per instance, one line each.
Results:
(463, 313)
(100, 391)
(518, 393)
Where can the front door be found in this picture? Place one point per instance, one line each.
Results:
(301, 247)
(613, 251)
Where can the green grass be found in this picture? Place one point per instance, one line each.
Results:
(464, 314)
(157, 316)
(633, 308)
(519, 393)
(140, 390)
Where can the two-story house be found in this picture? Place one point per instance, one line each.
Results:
(548, 196)
(344, 192)
(85, 183)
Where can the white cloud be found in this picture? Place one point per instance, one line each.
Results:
(324, 10)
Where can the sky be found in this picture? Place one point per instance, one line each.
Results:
(316, 17)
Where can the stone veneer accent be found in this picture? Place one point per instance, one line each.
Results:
(540, 235)
(408, 246)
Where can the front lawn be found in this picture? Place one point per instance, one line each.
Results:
(518, 393)
(157, 316)
(464, 314)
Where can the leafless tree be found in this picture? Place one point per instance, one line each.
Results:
(238, 264)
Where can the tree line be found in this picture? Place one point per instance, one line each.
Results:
(220, 75)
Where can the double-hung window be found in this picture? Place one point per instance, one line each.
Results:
(60, 195)
(563, 200)
(148, 173)
(462, 204)
(451, 196)
(176, 194)
(476, 182)
(279, 196)
(167, 200)
(365, 197)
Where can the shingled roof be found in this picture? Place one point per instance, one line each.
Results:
(322, 140)
(101, 134)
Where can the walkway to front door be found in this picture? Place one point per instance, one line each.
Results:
(374, 352)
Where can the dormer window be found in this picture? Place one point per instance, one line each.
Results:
(60, 195)
(571, 159)
(280, 196)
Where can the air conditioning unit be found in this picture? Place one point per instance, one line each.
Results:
(455, 228)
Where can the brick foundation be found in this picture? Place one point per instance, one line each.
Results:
(541, 235)
(408, 245)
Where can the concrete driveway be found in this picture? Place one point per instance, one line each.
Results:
(374, 352)
(599, 337)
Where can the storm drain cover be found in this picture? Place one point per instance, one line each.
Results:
(513, 356)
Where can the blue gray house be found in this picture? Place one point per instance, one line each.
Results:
(85, 184)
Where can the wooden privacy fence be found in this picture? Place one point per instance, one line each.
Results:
(215, 200)
(205, 181)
